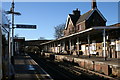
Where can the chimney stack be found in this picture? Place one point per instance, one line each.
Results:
(94, 4)
(76, 12)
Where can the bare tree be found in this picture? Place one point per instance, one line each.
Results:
(41, 38)
(59, 31)
(16, 35)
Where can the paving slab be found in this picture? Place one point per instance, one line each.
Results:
(27, 69)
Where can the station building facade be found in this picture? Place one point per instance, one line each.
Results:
(87, 34)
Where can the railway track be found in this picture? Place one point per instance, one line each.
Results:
(53, 69)
(65, 71)
(80, 71)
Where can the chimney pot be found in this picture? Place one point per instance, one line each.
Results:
(94, 4)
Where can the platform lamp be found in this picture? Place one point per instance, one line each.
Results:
(12, 12)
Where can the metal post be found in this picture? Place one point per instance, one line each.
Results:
(47, 49)
(57, 47)
(0, 44)
(9, 55)
(64, 45)
(70, 45)
(60, 46)
(88, 45)
(54, 47)
(12, 57)
(78, 46)
(104, 44)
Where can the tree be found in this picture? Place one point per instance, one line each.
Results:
(16, 35)
(59, 31)
(41, 38)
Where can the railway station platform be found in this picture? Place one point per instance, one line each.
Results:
(110, 67)
(110, 61)
(27, 69)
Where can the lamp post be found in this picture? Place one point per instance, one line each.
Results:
(12, 57)
(12, 12)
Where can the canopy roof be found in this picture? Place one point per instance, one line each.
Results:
(92, 30)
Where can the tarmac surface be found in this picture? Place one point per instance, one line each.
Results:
(27, 69)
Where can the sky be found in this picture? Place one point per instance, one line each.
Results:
(47, 15)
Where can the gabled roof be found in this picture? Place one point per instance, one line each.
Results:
(117, 25)
(84, 16)
(87, 15)
(78, 19)
(73, 18)
(67, 22)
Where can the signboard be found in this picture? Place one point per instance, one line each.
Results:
(112, 42)
(118, 45)
(83, 47)
(26, 26)
(93, 45)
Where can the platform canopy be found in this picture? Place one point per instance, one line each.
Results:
(89, 31)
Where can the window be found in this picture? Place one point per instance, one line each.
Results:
(79, 27)
(69, 30)
(72, 29)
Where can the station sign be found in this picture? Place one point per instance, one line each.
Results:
(26, 26)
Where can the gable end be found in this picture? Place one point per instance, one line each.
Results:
(98, 13)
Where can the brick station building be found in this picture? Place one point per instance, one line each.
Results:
(87, 34)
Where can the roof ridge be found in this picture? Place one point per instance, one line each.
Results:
(87, 12)
(84, 16)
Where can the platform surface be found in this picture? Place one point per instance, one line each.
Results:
(110, 61)
(27, 69)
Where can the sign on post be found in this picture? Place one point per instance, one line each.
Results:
(26, 26)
